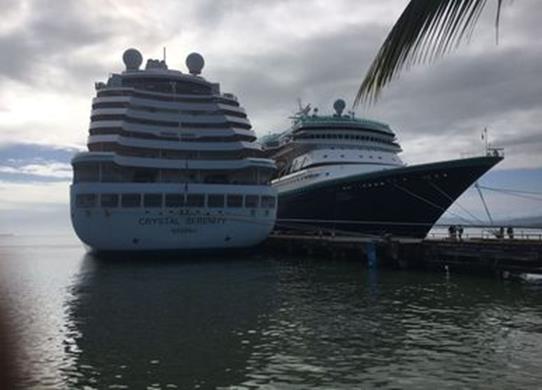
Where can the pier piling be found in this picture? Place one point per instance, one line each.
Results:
(470, 255)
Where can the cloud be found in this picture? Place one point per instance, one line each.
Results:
(51, 31)
(269, 54)
(66, 44)
(34, 152)
(45, 171)
(35, 163)
(438, 110)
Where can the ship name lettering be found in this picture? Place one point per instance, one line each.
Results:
(205, 220)
(158, 221)
(183, 231)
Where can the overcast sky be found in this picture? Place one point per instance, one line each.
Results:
(268, 53)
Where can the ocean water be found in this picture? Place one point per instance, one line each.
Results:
(262, 322)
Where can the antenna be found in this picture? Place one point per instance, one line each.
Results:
(164, 54)
(485, 138)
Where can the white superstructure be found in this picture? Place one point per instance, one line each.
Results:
(172, 163)
(323, 148)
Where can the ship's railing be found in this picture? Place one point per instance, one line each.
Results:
(489, 152)
(496, 152)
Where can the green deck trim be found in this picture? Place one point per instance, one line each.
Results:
(340, 120)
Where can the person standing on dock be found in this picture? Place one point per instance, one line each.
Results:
(460, 232)
(452, 231)
(510, 232)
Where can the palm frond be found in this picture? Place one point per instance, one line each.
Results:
(425, 31)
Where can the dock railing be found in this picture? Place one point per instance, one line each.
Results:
(438, 232)
(519, 235)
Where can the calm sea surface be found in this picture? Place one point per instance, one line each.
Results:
(260, 322)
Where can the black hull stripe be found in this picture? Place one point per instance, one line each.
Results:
(385, 173)
(402, 202)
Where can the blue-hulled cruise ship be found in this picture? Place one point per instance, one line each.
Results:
(344, 173)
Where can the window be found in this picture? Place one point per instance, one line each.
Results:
(235, 200)
(130, 200)
(145, 175)
(109, 200)
(86, 172)
(85, 201)
(174, 200)
(195, 200)
(111, 173)
(251, 201)
(215, 200)
(152, 200)
(268, 202)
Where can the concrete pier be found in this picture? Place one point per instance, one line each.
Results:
(472, 255)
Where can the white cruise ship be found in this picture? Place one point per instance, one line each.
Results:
(172, 164)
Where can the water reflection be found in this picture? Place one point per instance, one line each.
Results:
(260, 322)
(340, 326)
(167, 324)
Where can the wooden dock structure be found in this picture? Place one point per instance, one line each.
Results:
(499, 256)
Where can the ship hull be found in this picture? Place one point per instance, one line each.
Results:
(404, 201)
(107, 229)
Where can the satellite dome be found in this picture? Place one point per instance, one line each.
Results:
(339, 106)
(194, 63)
(132, 59)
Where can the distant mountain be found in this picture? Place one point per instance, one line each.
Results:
(526, 221)
(535, 222)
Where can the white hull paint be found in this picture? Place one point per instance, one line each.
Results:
(180, 228)
(172, 164)
(170, 229)
(315, 175)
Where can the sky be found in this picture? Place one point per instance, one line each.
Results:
(269, 54)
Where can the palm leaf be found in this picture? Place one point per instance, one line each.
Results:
(425, 31)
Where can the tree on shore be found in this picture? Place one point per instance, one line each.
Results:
(425, 31)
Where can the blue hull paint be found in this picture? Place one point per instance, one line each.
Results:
(402, 202)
